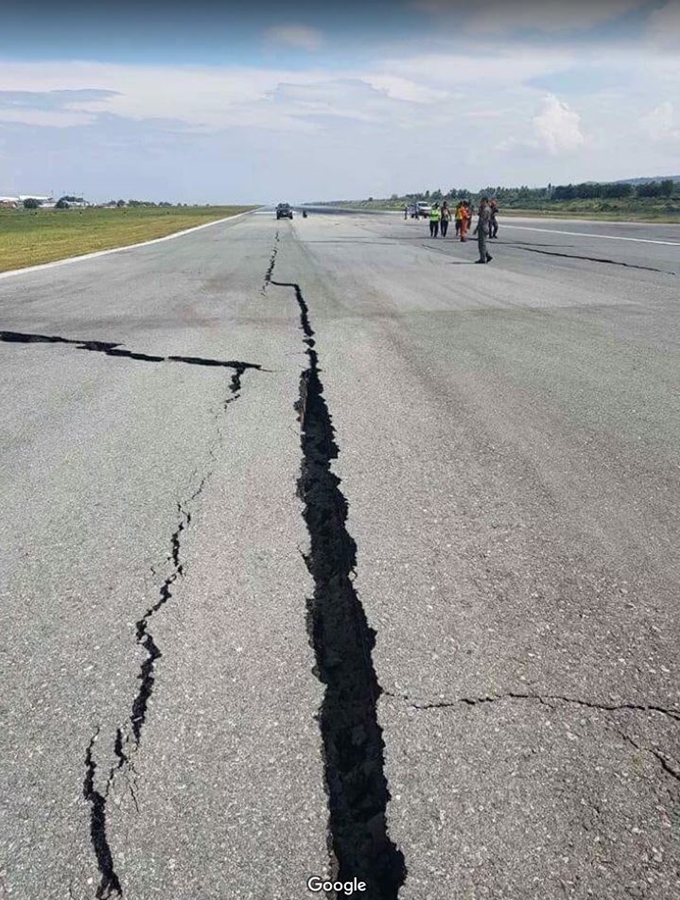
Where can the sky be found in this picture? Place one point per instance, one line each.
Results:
(261, 101)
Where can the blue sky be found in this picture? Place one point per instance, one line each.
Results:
(205, 103)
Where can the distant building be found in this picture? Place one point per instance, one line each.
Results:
(9, 202)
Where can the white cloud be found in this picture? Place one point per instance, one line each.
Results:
(413, 120)
(300, 37)
(494, 67)
(660, 124)
(45, 117)
(404, 89)
(558, 127)
(199, 96)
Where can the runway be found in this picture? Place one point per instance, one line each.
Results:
(320, 541)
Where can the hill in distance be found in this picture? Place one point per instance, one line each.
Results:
(647, 180)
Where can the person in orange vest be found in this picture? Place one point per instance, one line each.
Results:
(465, 221)
(459, 216)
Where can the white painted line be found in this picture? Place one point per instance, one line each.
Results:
(72, 259)
(607, 237)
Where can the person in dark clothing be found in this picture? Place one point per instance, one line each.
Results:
(445, 219)
(482, 231)
(493, 221)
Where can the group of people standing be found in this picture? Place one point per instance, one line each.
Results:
(487, 222)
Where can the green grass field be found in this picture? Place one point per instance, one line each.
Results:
(625, 210)
(648, 209)
(29, 238)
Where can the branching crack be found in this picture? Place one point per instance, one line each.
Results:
(144, 636)
(128, 737)
(549, 701)
(109, 883)
(660, 757)
(110, 349)
(342, 640)
(539, 698)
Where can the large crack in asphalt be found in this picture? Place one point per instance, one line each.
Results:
(109, 884)
(272, 263)
(353, 747)
(597, 259)
(129, 736)
(112, 349)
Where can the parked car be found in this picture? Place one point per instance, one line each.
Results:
(284, 211)
(422, 210)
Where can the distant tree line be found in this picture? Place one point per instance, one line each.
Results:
(588, 190)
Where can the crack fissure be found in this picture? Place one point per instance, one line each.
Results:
(598, 259)
(540, 698)
(147, 674)
(272, 263)
(660, 757)
(353, 747)
(548, 701)
(109, 883)
(128, 738)
(111, 349)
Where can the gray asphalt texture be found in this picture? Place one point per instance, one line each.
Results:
(509, 449)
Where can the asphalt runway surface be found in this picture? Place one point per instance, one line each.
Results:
(327, 552)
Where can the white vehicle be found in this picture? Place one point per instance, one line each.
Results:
(422, 210)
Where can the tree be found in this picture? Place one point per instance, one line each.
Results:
(31, 203)
(120, 203)
(62, 203)
(666, 187)
(650, 189)
(616, 191)
(564, 192)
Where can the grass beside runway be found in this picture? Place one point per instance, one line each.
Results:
(29, 238)
(649, 216)
(647, 209)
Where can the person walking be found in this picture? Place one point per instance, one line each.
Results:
(446, 218)
(465, 220)
(482, 231)
(435, 219)
(459, 217)
(493, 221)
(406, 212)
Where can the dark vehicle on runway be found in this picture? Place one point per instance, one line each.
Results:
(284, 211)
